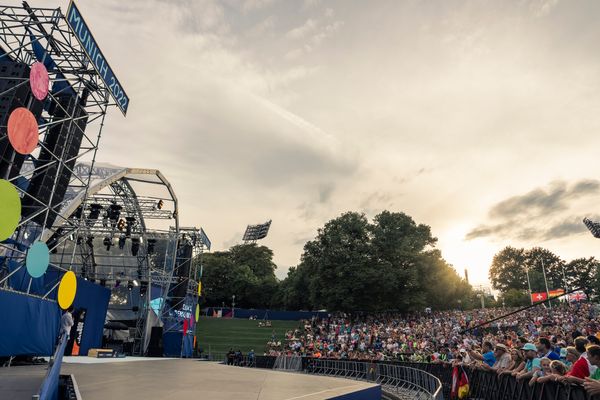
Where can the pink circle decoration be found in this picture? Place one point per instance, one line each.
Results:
(38, 80)
(23, 132)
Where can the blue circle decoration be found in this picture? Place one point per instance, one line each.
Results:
(38, 258)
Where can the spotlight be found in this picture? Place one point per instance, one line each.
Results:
(129, 285)
(151, 243)
(121, 224)
(129, 225)
(135, 246)
(114, 212)
(160, 204)
(94, 211)
(143, 287)
(136, 283)
(108, 243)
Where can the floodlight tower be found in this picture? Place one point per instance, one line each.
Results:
(256, 232)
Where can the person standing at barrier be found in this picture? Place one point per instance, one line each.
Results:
(545, 349)
(544, 371)
(532, 362)
(66, 322)
(487, 354)
(585, 366)
(557, 370)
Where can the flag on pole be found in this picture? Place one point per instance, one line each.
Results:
(577, 296)
(540, 296)
(556, 293)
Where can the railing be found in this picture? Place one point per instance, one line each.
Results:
(49, 388)
(400, 381)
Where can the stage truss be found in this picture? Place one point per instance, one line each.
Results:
(77, 104)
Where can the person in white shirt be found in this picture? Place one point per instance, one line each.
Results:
(66, 321)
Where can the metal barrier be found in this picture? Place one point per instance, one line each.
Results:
(401, 381)
(49, 388)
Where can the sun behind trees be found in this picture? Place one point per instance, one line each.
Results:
(390, 263)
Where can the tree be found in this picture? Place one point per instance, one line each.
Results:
(246, 271)
(584, 273)
(508, 269)
(389, 264)
(514, 298)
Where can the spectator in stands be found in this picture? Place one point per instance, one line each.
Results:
(544, 370)
(517, 362)
(487, 354)
(558, 369)
(545, 349)
(586, 366)
(571, 356)
(532, 363)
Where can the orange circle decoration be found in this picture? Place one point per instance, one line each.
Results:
(23, 130)
(67, 290)
(38, 81)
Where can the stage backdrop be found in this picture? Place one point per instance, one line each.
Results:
(29, 325)
(93, 299)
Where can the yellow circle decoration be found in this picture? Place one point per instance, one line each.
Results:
(199, 288)
(197, 312)
(67, 290)
(10, 209)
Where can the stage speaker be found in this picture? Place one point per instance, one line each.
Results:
(15, 93)
(182, 270)
(62, 141)
(155, 346)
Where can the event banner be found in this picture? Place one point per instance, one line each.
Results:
(93, 52)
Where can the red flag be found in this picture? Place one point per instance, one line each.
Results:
(460, 384)
(185, 326)
(454, 387)
(541, 296)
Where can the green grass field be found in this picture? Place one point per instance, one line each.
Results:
(220, 334)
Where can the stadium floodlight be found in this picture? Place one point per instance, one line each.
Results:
(256, 232)
(593, 227)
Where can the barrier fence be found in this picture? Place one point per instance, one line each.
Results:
(401, 378)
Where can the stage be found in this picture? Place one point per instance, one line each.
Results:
(182, 378)
(21, 382)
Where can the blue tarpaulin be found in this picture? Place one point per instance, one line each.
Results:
(29, 325)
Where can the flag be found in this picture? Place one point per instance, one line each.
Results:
(577, 296)
(541, 296)
(460, 384)
(556, 292)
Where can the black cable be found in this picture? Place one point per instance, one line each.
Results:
(518, 311)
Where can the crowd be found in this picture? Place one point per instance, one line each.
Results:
(539, 344)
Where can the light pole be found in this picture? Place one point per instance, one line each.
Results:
(528, 284)
(546, 282)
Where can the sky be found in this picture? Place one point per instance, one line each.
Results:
(477, 118)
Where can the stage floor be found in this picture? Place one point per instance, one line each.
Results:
(21, 382)
(193, 379)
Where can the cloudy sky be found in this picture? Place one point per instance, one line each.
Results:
(478, 118)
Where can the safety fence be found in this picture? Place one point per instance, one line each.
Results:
(414, 378)
(401, 381)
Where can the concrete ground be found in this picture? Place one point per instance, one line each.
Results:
(180, 379)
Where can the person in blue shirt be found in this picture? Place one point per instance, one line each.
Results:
(545, 349)
(487, 354)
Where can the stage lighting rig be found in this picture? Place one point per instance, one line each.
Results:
(121, 224)
(160, 204)
(122, 240)
(108, 243)
(114, 213)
